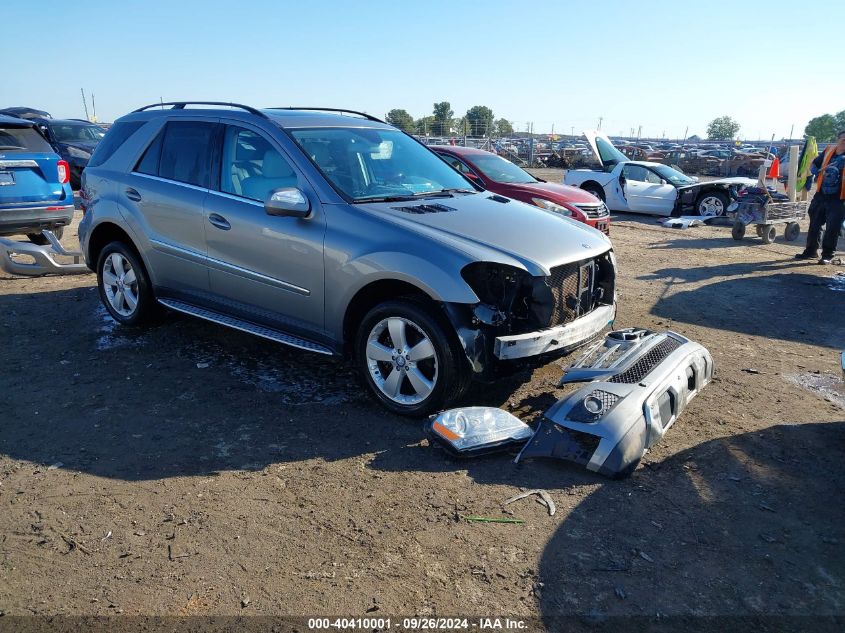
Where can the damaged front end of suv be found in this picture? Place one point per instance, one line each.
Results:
(521, 316)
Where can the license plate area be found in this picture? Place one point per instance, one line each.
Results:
(6, 178)
(602, 226)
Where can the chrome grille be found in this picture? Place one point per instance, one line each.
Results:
(572, 288)
(593, 211)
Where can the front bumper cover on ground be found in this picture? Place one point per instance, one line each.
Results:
(639, 383)
(25, 258)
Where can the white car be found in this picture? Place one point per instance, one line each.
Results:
(646, 187)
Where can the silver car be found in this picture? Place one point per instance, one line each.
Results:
(336, 233)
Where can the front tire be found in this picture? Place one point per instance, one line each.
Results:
(124, 285)
(408, 359)
(712, 204)
(597, 191)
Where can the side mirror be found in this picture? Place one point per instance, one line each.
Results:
(663, 181)
(287, 202)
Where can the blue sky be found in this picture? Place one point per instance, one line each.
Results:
(660, 65)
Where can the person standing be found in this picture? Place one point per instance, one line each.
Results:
(830, 208)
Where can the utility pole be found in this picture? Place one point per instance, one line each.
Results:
(84, 104)
(686, 131)
(792, 129)
(571, 130)
(601, 118)
(531, 144)
(94, 107)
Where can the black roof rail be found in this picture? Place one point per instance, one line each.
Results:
(340, 110)
(180, 105)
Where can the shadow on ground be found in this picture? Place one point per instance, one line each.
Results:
(182, 398)
(772, 499)
(777, 306)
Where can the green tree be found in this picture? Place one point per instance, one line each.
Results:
(442, 118)
(460, 126)
(424, 125)
(401, 119)
(504, 127)
(480, 120)
(824, 127)
(723, 128)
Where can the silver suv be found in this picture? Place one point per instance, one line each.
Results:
(336, 233)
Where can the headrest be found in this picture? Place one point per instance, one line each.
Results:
(275, 166)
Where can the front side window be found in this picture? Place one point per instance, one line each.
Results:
(636, 173)
(370, 163)
(251, 167)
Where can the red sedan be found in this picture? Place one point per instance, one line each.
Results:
(503, 177)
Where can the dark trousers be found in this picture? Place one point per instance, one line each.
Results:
(827, 212)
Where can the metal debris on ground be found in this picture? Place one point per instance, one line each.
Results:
(683, 222)
(545, 499)
(478, 519)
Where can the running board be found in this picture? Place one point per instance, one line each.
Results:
(245, 326)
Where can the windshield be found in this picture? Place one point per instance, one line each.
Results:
(498, 169)
(673, 175)
(70, 132)
(372, 164)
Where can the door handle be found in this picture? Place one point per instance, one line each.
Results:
(219, 221)
(132, 194)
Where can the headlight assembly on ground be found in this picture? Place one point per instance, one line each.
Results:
(468, 431)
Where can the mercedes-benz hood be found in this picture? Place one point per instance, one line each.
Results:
(489, 227)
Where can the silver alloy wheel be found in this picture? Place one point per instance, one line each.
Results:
(711, 207)
(120, 284)
(402, 360)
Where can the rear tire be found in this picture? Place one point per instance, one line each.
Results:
(738, 231)
(41, 240)
(124, 285)
(405, 384)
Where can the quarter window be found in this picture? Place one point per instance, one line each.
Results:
(251, 167)
(114, 138)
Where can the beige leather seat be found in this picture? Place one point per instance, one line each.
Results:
(276, 173)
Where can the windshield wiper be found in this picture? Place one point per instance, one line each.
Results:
(440, 193)
(404, 198)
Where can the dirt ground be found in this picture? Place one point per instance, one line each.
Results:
(189, 469)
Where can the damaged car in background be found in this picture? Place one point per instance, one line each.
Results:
(336, 233)
(654, 188)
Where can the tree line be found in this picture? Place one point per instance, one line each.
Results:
(478, 121)
(826, 127)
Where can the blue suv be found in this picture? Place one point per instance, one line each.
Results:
(35, 191)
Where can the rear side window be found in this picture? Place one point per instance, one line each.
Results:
(22, 139)
(186, 152)
(114, 138)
